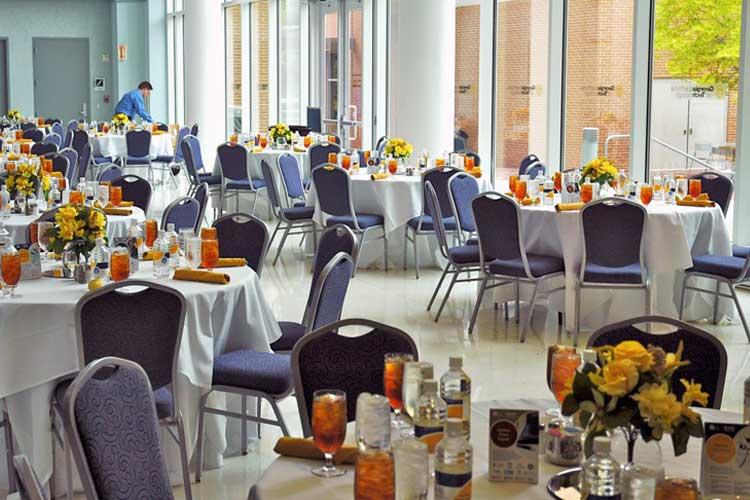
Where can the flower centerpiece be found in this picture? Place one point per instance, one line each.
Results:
(27, 179)
(13, 115)
(398, 148)
(632, 390)
(280, 131)
(599, 171)
(76, 229)
(120, 121)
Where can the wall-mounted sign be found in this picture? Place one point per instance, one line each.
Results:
(99, 84)
(122, 52)
(464, 89)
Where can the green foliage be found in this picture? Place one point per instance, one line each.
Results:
(703, 39)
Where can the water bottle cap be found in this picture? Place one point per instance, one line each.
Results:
(589, 356)
(427, 371)
(99, 242)
(170, 227)
(455, 361)
(429, 386)
(602, 444)
(454, 426)
(160, 233)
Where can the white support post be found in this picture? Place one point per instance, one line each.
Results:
(640, 129)
(555, 83)
(742, 169)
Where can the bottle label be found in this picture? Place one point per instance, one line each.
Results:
(430, 436)
(453, 486)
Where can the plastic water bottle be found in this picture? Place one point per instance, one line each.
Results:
(455, 389)
(100, 260)
(160, 256)
(430, 414)
(174, 246)
(4, 201)
(600, 474)
(453, 463)
(88, 192)
(53, 199)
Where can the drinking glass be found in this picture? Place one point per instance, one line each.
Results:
(681, 186)
(209, 233)
(392, 165)
(346, 162)
(46, 165)
(412, 384)
(656, 182)
(647, 193)
(333, 158)
(115, 195)
(152, 231)
(34, 232)
(695, 188)
(520, 191)
(70, 261)
(193, 252)
(513, 183)
(307, 141)
(11, 270)
(76, 198)
(263, 141)
(119, 265)
(183, 235)
(374, 471)
(102, 194)
(562, 370)
(439, 163)
(468, 163)
(587, 192)
(677, 488)
(209, 253)
(393, 381)
(411, 463)
(329, 428)
(43, 230)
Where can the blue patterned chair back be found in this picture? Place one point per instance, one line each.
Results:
(72, 156)
(273, 193)
(80, 139)
(194, 130)
(143, 325)
(191, 151)
(135, 189)
(110, 173)
(68, 139)
(184, 212)
(332, 187)
(463, 188)
(289, 169)
(536, 170)
(431, 205)
(613, 248)
(439, 179)
(201, 194)
(243, 235)
(111, 423)
(58, 129)
(707, 355)
(53, 138)
(178, 155)
(526, 162)
(233, 161)
(84, 160)
(71, 126)
(138, 143)
(34, 134)
(60, 164)
(718, 187)
(330, 293)
(318, 153)
(496, 217)
(29, 486)
(325, 359)
(43, 148)
(28, 126)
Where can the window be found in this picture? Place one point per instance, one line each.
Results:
(234, 64)
(259, 73)
(598, 84)
(175, 62)
(290, 61)
(468, 21)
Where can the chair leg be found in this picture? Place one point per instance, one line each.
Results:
(9, 453)
(518, 302)
(739, 311)
(578, 315)
(255, 202)
(447, 294)
(68, 468)
(243, 447)
(199, 440)
(716, 302)
(273, 235)
(281, 244)
(406, 242)
(279, 417)
(682, 297)
(258, 409)
(506, 311)
(527, 324)
(237, 203)
(416, 255)
(302, 240)
(385, 249)
(478, 304)
(437, 288)
(184, 458)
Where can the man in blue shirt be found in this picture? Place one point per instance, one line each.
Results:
(132, 103)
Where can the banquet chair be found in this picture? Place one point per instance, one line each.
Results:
(194, 130)
(184, 212)
(138, 144)
(191, 152)
(53, 138)
(740, 251)
(80, 139)
(43, 148)
(526, 162)
(34, 134)
(58, 129)
(144, 327)
(84, 160)
(135, 189)
(60, 163)
(461, 259)
(9, 450)
(243, 235)
(235, 176)
(324, 305)
(29, 486)
(109, 172)
(70, 127)
(612, 259)
(381, 144)
(112, 424)
(722, 269)
(535, 170)
(72, 156)
(503, 254)
(291, 179)
(462, 188)
(202, 195)
(290, 219)
(719, 188)
(28, 126)
(325, 359)
(318, 153)
(68, 139)
(334, 189)
(422, 225)
(174, 162)
(706, 353)
(163, 127)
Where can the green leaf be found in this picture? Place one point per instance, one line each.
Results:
(570, 405)
(598, 398)
(680, 437)
(588, 406)
(584, 418)
(582, 387)
(612, 405)
(620, 418)
(588, 442)
(695, 429)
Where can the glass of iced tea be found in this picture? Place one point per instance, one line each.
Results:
(76, 198)
(333, 158)
(307, 141)
(115, 195)
(263, 141)
(439, 163)
(562, 370)
(10, 264)
(513, 183)
(392, 165)
(695, 188)
(119, 266)
(647, 193)
(328, 428)
(468, 163)
(587, 192)
(25, 148)
(677, 488)
(47, 165)
(346, 162)
(152, 231)
(209, 253)
(393, 385)
(209, 233)
(520, 191)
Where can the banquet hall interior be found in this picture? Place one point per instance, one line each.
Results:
(397, 249)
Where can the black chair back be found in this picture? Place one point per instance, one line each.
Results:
(243, 235)
(135, 189)
(719, 188)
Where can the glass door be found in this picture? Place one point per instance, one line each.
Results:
(342, 50)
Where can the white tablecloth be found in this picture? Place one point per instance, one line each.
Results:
(673, 235)
(290, 478)
(115, 146)
(117, 225)
(38, 347)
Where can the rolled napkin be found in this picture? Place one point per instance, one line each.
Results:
(569, 207)
(231, 262)
(298, 149)
(123, 204)
(201, 276)
(158, 132)
(696, 203)
(305, 448)
(117, 211)
(379, 176)
(57, 175)
(257, 149)
(147, 256)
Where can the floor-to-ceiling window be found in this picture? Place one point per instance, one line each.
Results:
(234, 67)
(468, 21)
(259, 65)
(175, 61)
(290, 61)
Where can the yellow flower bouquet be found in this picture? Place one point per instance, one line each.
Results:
(13, 115)
(120, 120)
(632, 390)
(398, 148)
(76, 228)
(26, 179)
(280, 131)
(600, 171)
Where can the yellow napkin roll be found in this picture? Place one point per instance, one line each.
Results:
(696, 203)
(14, 157)
(380, 176)
(158, 132)
(231, 262)
(257, 149)
(57, 175)
(117, 211)
(123, 204)
(299, 149)
(201, 276)
(305, 448)
(569, 207)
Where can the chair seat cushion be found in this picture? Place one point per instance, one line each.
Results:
(539, 265)
(365, 220)
(164, 404)
(290, 333)
(299, 213)
(248, 369)
(298, 204)
(631, 274)
(164, 159)
(740, 252)
(468, 254)
(720, 265)
(210, 179)
(246, 184)
(138, 160)
(100, 160)
(427, 224)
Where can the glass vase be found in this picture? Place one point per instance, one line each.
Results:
(641, 463)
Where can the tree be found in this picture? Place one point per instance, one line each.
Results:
(702, 38)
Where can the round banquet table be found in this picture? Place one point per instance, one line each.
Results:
(117, 225)
(38, 348)
(290, 478)
(114, 145)
(673, 235)
(397, 198)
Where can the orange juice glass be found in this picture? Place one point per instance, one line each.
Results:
(10, 264)
(695, 188)
(333, 158)
(47, 165)
(307, 141)
(520, 189)
(563, 369)
(468, 163)
(647, 193)
(263, 141)
(115, 195)
(119, 266)
(587, 192)
(76, 198)
(209, 253)
(25, 148)
(392, 164)
(209, 233)
(19, 135)
(513, 183)
(152, 231)
(346, 162)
